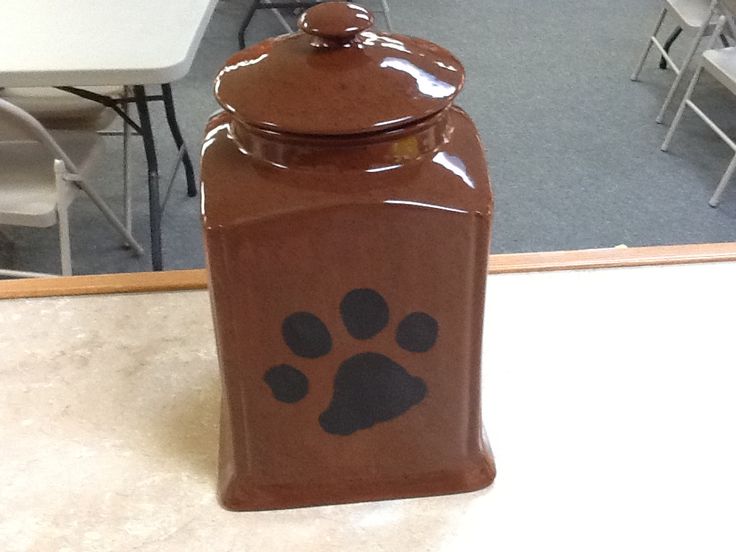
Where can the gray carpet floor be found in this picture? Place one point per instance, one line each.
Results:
(571, 142)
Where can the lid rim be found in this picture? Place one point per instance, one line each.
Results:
(364, 132)
(356, 135)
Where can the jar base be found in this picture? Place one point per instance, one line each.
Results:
(249, 495)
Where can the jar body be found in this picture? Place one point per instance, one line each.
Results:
(348, 296)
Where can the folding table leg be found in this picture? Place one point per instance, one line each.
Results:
(277, 15)
(154, 201)
(176, 133)
(127, 192)
(668, 46)
(254, 5)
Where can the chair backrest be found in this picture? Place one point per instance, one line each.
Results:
(17, 124)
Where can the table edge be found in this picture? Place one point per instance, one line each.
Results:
(167, 71)
(510, 263)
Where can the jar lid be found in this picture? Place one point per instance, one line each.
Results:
(337, 77)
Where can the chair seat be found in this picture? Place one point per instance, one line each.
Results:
(28, 195)
(63, 110)
(692, 13)
(722, 65)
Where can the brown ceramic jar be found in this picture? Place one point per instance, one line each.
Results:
(347, 212)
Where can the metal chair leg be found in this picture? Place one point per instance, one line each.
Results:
(681, 72)
(716, 199)
(648, 47)
(65, 247)
(63, 193)
(681, 111)
(64, 180)
(386, 16)
(25, 274)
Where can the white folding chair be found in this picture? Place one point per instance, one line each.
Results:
(59, 110)
(691, 15)
(40, 175)
(721, 64)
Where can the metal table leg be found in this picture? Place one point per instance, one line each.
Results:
(667, 45)
(154, 201)
(176, 134)
(143, 127)
(254, 5)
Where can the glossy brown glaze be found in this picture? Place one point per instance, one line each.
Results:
(372, 82)
(347, 276)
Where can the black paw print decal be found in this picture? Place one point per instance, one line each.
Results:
(369, 387)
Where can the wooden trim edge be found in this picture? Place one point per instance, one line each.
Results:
(181, 280)
(616, 257)
(133, 282)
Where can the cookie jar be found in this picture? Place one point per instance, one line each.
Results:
(346, 211)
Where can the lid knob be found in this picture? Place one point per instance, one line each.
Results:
(336, 22)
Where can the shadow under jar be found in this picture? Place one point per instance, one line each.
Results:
(347, 211)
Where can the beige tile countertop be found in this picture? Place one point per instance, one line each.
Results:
(609, 401)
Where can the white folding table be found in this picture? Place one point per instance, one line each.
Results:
(72, 43)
